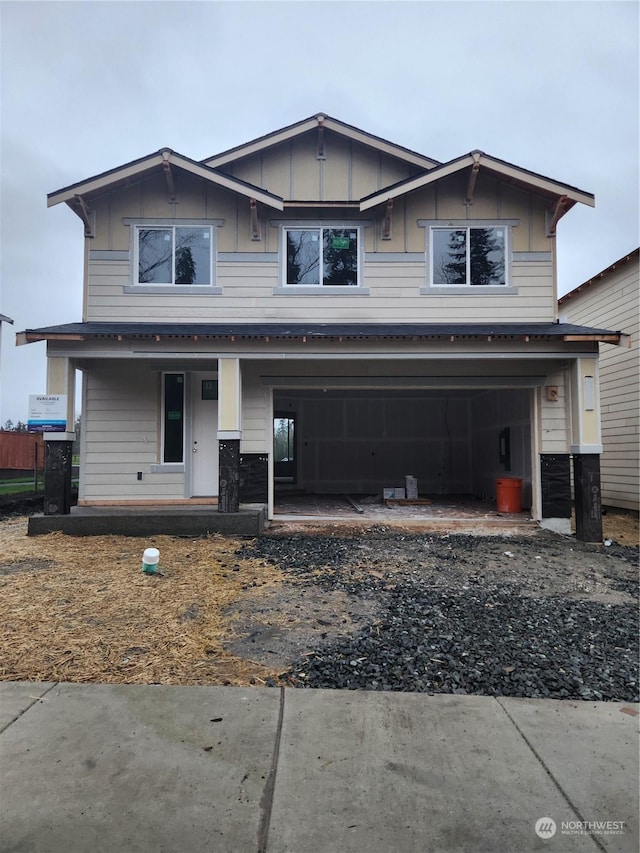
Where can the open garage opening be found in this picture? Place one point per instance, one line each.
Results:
(357, 443)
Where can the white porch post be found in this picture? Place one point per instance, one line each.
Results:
(229, 433)
(586, 447)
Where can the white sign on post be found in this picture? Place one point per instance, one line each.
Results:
(47, 413)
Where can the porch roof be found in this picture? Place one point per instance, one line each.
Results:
(567, 332)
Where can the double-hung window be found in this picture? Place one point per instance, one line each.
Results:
(322, 256)
(174, 255)
(468, 255)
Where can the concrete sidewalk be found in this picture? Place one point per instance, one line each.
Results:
(89, 768)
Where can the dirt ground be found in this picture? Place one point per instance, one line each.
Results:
(81, 609)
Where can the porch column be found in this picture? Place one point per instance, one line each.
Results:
(61, 379)
(586, 447)
(229, 433)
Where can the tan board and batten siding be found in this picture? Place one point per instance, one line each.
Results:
(611, 300)
(248, 272)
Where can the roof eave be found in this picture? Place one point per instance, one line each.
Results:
(329, 123)
(137, 168)
(492, 164)
(325, 332)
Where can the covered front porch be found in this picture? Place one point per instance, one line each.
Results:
(439, 514)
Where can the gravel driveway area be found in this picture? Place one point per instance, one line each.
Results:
(538, 616)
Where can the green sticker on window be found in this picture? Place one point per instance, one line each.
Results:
(340, 243)
(174, 416)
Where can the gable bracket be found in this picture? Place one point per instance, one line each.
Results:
(320, 153)
(387, 220)
(166, 167)
(255, 222)
(473, 176)
(553, 217)
(85, 213)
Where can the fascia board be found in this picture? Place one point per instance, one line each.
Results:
(420, 181)
(228, 182)
(242, 151)
(489, 163)
(537, 181)
(382, 145)
(101, 182)
(329, 123)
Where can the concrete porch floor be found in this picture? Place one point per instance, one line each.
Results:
(444, 513)
(458, 513)
(172, 520)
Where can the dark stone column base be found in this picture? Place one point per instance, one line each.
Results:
(555, 481)
(57, 477)
(229, 485)
(588, 496)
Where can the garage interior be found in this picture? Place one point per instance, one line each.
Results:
(336, 446)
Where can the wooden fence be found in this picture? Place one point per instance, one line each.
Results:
(21, 451)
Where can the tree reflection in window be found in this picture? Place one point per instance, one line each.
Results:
(176, 255)
(327, 256)
(469, 256)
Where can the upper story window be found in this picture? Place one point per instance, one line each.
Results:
(322, 256)
(468, 256)
(174, 255)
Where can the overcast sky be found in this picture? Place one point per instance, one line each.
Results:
(88, 86)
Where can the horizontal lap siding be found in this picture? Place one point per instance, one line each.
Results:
(255, 402)
(248, 296)
(554, 422)
(612, 302)
(120, 438)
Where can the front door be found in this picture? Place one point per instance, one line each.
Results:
(204, 442)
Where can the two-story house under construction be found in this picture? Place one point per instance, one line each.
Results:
(327, 308)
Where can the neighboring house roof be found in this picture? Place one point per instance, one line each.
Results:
(5, 319)
(332, 331)
(564, 196)
(328, 123)
(479, 160)
(599, 277)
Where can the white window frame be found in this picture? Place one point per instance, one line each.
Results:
(467, 289)
(358, 227)
(135, 286)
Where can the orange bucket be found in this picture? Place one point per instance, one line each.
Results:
(508, 494)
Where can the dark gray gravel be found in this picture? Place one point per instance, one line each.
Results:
(453, 619)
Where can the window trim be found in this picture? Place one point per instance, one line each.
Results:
(136, 225)
(431, 289)
(317, 224)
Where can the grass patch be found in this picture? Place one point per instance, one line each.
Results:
(18, 487)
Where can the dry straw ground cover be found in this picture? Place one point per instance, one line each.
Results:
(81, 609)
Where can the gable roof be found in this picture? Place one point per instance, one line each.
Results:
(564, 196)
(320, 120)
(516, 174)
(164, 159)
